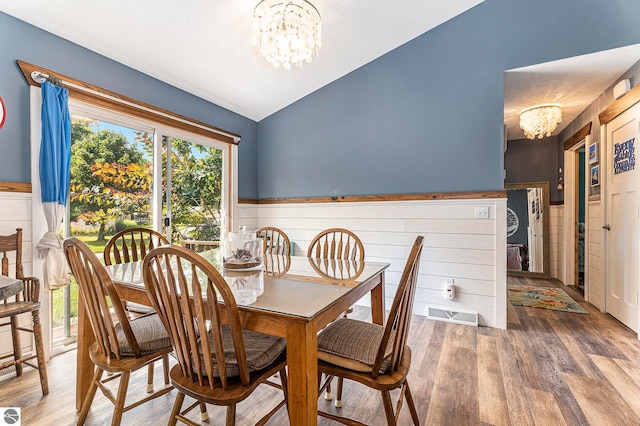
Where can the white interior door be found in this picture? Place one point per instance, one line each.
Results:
(621, 225)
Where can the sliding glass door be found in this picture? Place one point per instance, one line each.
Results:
(130, 173)
(111, 187)
(193, 190)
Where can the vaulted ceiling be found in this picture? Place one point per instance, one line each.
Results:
(204, 46)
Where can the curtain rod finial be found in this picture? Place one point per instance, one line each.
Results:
(39, 77)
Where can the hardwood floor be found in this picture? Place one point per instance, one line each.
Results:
(548, 368)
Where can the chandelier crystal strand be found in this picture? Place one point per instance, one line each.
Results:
(540, 121)
(286, 32)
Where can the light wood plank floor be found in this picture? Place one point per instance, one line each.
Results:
(548, 368)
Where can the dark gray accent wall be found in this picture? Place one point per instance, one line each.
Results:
(428, 116)
(536, 160)
(19, 40)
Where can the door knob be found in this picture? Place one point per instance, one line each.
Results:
(607, 227)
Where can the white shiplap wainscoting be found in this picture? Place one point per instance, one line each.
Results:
(556, 242)
(15, 212)
(457, 245)
(594, 275)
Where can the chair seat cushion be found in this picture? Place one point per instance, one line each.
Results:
(149, 332)
(353, 344)
(261, 350)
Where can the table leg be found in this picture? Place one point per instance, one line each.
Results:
(302, 358)
(377, 302)
(84, 366)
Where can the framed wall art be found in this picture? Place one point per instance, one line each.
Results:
(595, 176)
(593, 153)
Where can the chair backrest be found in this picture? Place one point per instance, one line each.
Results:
(8, 244)
(276, 265)
(101, 300)
(192, 298)
(275, 241)
(336, 243)
(13, 243)
(337, 269)
(132, 245)
(397, 326)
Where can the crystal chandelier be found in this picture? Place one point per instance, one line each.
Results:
(286, 32)
(540, 121)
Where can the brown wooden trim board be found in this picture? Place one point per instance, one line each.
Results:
(15, 187)
(577, 136)
(98, 96)
(373, 198)
(619, 106)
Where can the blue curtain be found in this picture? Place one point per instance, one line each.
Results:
(55, 149)
(55, 162)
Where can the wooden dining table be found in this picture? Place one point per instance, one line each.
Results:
(294, 303)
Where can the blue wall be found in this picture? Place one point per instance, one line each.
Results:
(428, 116)
(19, 40)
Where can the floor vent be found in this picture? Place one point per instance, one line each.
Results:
(8, 371)
(466, 318)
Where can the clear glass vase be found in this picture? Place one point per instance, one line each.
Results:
(241, 250)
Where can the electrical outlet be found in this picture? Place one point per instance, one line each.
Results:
(482, 212)
(244, 212)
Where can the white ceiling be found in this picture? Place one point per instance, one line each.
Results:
(573, 83)
(204, 46)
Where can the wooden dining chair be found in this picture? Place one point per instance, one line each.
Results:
(28, 300)
(219, 362)
(336, 243)
(275, 241)
(132, 245)
(122, 345)
(376, 356)
(276, 265)
(337, 269)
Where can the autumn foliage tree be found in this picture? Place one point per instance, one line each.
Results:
(110, 177)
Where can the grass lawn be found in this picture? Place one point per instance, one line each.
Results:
(96, 246)
(58, 295)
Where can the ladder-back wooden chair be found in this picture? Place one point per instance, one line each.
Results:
(25, 301)
(192, 299)
(122, 345)
(275, 241)
(376, 356)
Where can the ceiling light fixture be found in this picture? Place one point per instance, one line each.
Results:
(286, 32)
(540, 121)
